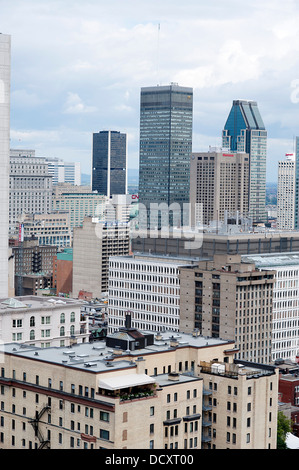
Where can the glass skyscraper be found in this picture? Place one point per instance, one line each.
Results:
(165, 152)
(109, 163)
(245, 131)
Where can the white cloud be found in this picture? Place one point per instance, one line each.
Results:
(105, 51)
(75, 105)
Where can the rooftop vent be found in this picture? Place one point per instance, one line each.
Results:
(174, 376)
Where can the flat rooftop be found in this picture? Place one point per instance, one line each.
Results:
(98, 357)
(36, 302)
(272, 260)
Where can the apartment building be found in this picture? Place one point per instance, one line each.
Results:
(166, 392)
(93, 244)
(229, 299)
(148, 286)
(30, 257)
(42, 321)
(219, 184)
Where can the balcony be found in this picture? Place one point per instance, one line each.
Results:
(128, 388)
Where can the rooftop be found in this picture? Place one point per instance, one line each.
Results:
(272, 259)
(34, 302)
(99, 357)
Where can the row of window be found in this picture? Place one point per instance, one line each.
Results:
(45, 320)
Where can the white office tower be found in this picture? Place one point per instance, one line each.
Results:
(5, 46)
(286, 193)
(64, 172)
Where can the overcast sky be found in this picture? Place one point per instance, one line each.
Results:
(78, 66)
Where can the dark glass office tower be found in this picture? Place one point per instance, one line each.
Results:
(245, 131)
(109, 163)
(165, 151)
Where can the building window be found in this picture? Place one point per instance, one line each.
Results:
(62, 318)
(32, 321)
(104, 416)
(32, 334)
(62, 331)
(104, 434)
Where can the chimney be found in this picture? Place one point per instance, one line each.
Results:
(128, 322)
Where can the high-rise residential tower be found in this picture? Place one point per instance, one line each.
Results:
(5, 48)
(109, 163)
(245, 131)
(286, 193)
(165, 152)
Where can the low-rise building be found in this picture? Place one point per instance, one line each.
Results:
(63, 272)
(49, 228)
(165, 392)
(42, 321)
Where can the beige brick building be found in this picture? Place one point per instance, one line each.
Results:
(229, 299)
(172, 391)
(219, 182)
(93, 244)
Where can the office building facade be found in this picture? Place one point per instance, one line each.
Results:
(64, 172)
(5, 60)
(30, 187)
(165, 152)
(79, 201)
(285, 310)
(109, 163)
(219, 183)
(93, 244)
(245, 131)
(286, 192)
(51, 228)
(147, 286)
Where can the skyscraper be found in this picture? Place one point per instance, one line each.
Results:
(245, 131)
(218, 185)
(165, 151)
(286, 193)
(5, 47)
(109, 163)
(297, 184)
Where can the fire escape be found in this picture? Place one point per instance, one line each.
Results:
(44, 443)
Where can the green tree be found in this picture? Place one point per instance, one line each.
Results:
(284, 425)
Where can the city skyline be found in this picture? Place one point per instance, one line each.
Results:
(75, 70)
